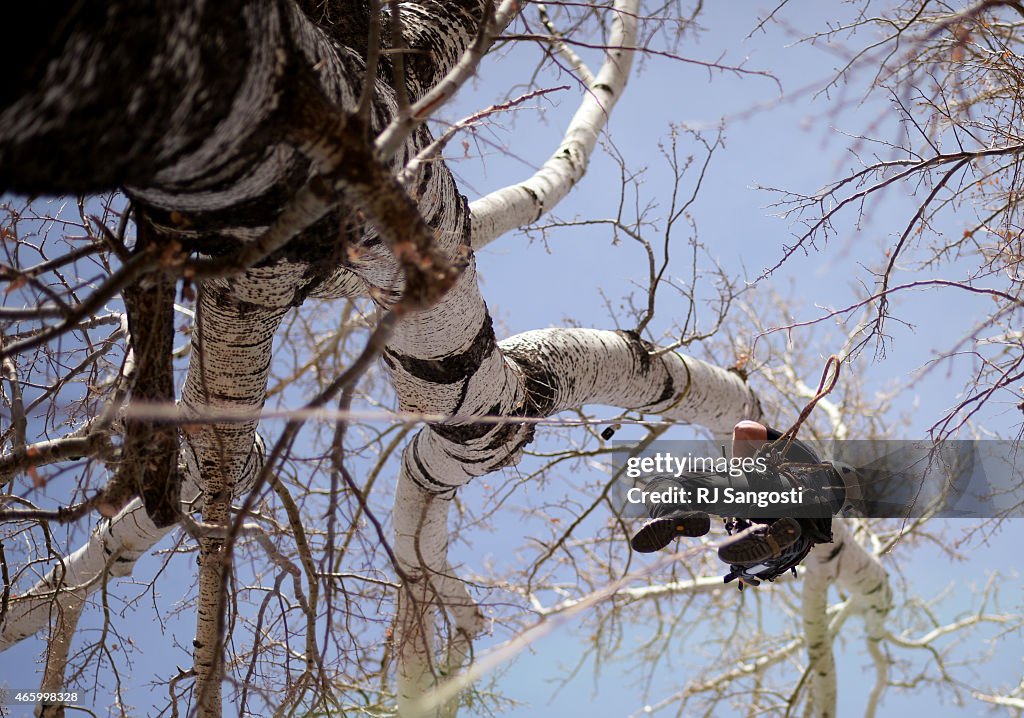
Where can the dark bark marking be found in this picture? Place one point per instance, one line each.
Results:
(639, 348)
(465, 433)
(507, 459)
(668, 390)
(541, 384)
(421, 474)
(450, 369)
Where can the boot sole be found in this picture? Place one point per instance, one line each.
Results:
(658, 533)
(756, 548)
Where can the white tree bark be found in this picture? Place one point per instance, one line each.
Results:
(113, 548)
(534, 374)
(521, 204)
(860, 574)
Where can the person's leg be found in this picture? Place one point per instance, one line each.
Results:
(672, 520)
(759, 544)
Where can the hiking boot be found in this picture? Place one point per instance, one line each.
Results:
(658, 533)
(755, 548)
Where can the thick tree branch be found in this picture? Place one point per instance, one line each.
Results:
(149, 453)
(535, 374)
(520, 204)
